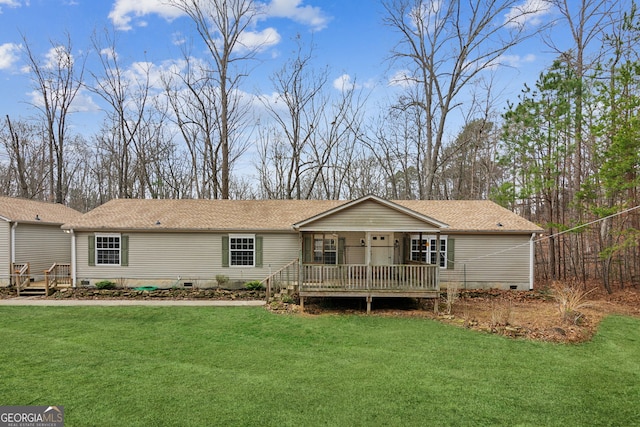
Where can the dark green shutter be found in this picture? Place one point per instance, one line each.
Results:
(341, 246)
(451, 250)
(307, 249)
(225, 251)
(124, 251)
(258, 251)
(92, 250)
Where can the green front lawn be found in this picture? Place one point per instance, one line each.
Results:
(170, 366)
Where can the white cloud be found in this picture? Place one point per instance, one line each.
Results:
(426, 15)
(517, 60)
(10, 3)
(294, 10)
(124, 11)
(82, 102)
(261, 40)
(513, 61)
(139, 71)
(110, 53)
(343, 83)
(9, 55)
(58, 58)
(178, 39)
(530, 12)
(401, 78)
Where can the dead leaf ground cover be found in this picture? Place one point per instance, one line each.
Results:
(520, 314)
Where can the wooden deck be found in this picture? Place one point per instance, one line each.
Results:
(55, 277)
(359, 281)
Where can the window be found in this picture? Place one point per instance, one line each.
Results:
(108, 249)
(425, 250)
(242, 250)
(325, 249)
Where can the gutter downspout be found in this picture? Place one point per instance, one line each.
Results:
(73, 259)
(12, 250)
(13, 243)
(532, 260)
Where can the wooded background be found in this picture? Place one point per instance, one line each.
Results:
(564, 154)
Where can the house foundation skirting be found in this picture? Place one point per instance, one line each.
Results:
(369, 295)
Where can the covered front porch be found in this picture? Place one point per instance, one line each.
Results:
(368, 248)
(371, 248)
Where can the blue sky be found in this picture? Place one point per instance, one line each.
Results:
(349, 36)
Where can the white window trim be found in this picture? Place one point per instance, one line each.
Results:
(119, 236)
(242, 236)
(428, 237)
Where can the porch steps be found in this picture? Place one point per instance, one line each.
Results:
(35, 289)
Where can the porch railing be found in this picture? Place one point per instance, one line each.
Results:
(360, 277)
(21, 276)
(354, 277)
(57, 274)
(287, 275)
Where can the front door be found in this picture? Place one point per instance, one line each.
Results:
(381, 249)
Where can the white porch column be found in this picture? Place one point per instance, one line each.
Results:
(367, 254)
(438, 256)
(300, 264)
(368, 261)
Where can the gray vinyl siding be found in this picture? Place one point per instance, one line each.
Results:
(488, 261)
(160, 258)
(369, 216)
(41, 246)
(5, 252)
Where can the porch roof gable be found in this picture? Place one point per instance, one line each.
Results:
(370, 213)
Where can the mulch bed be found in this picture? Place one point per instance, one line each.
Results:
(530, 315)
(174, 294)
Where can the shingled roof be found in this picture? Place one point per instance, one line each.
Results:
(36, 212)
(278, 215)
(472, 215)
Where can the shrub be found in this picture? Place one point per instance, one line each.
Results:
(453, 294)
(105, 284)
(501, 313)
(222, 280)
(287, 299)
(571, 298)
(254, 285)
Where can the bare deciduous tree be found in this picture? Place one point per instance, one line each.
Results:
(443, 47)
(127, 96)
(26, 170)
(296, 111)
(57, 79)
(221, 25)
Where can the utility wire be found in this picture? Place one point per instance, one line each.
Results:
(577, 227)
